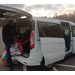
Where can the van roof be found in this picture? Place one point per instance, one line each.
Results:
(52, 20)
(72, 23)
(4, 9)
(46, 20)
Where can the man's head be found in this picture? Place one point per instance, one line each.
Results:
(10, 20)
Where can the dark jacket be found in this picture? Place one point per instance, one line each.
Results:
(6, 33)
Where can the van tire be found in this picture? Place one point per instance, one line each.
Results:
(47, 67)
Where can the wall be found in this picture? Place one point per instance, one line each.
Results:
(2, 45)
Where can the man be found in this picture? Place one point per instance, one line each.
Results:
(9, 35)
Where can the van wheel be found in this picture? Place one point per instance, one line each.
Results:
(47, 66)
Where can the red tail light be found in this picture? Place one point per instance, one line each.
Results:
(32, 40)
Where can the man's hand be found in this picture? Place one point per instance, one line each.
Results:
(14, 37)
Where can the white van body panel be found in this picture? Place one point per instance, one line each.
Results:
(53, 49)
(33, 60)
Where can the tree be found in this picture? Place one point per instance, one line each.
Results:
(69, 17)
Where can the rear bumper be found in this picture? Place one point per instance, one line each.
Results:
(32, 60)
(26, 61)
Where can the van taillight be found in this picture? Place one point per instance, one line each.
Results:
(32, 40)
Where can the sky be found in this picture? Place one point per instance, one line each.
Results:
(42, 10)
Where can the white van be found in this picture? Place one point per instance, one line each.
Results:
(51, 40)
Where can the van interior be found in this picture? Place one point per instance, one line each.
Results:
(66, 36)
(23, 30)
(67, 41)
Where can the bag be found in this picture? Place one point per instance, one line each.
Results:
(4, 55)
(3, 58)
(12, 50)
(16, 48)
(20, 47)
(24, 42)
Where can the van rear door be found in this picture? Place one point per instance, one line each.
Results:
(6, 12)
(52, 45)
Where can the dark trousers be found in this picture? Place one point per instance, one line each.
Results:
(9, 61)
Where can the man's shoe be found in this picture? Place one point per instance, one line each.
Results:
(14, 64)
(10, 68)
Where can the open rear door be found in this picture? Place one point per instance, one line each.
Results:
(52, 45)
(6, 12)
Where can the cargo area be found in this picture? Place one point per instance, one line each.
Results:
(23, 30)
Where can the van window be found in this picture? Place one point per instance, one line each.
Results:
(54, 30)
(45, 29)
(66, 29)
(73, 30)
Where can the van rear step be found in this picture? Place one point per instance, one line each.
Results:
(26, 55)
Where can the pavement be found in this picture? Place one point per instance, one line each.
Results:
(2, 46)
(68, 64)
(17, 67)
